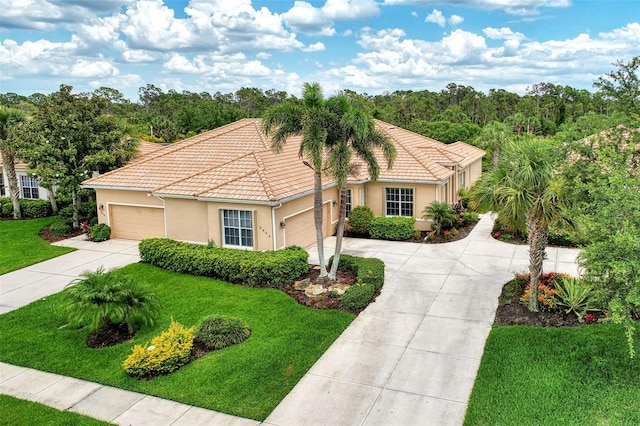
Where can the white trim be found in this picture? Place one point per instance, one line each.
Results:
(413, 200)
(273, 225)
(253, 230)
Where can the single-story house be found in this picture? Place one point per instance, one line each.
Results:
(227, 186)
(31, 189)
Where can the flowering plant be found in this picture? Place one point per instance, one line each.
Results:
(86, 228)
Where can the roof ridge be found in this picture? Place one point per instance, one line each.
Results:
(242, 176)
(263, 178)
(185, 143)
(201, 172)
(263, 137)
(448, 154)
(407, 150)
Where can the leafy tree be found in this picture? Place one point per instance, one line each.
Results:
(356, 134)
(68, 139)
(604, 174)
(623, 86)
(524, 188)
(310, 119)
(493, 137)
(10, 118)
(102, 298)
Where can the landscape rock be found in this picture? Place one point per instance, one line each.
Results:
(302, 284)
(315, 290)
(339, 288)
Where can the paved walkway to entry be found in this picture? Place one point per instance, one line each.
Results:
(409, 359)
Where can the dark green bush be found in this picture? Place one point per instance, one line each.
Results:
(59, 228)
(396, 228)
(6, 207)
(88, 211)
(367, 270)
(357, 296)
(217, 332)
(257, 268)
(35, 209)
(100, 232)
(360, 219)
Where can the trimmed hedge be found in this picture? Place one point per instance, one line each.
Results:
(357, 296)
(256, 268)
(100, 232)
(396, 228)
(368, 270)
(31, 209)
(360, 219)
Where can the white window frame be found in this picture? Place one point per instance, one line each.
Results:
(30, 188)
(462, 179)
(238, 224)
(2, 190)
(348, 201)
(402, 194)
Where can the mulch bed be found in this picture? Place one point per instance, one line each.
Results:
(48, 236)
(324, 301)
(110, 335)
(463, 232)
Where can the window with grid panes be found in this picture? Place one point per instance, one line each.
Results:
(238, 228)
(399, 201)
(29, 187)
(348, 201)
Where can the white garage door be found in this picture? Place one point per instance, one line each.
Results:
(136, 223)
(300, 229)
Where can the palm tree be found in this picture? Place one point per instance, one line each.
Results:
(492, 137)
(9, 119)
(443, 214)
(524, 188)
(310, 119)
(356, 134)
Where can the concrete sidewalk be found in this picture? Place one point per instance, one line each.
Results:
(409, 359)
(412, 356)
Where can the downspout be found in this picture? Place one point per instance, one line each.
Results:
(273, 225)
(164, 209)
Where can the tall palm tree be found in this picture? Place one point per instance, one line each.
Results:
(492, 137)
(310, 119)
(525, 188)
(356, 134)
(9, 119)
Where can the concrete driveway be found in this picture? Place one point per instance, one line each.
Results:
(411, 357)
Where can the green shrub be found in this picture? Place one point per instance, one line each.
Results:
(367, 270)
(396, 228)
(469, 217)
(59, 228)
(100, 232)
(101, 298)
(217, 332)
(357, 296)
(360, 219)
(257, 268)
(87, 211)
(168, 352)
(6, 207)
(35, 209)
(443, 215)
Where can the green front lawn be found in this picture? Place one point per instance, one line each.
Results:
(247, 380)
(556, 376)
(21, 245)
(17, 412)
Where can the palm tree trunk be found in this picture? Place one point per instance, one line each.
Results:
(538, 236)
(75, 201)
(342, 217)
(8, 161)
(495, 156)
(52, 200)
(317, 217)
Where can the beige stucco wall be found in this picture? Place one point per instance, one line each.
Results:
(262, 229)
(186, 220)
(475, 170)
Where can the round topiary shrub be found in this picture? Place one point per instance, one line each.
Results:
(59, 228)
(217, 332)
(100, 232)
(360, 219)
(357, 296)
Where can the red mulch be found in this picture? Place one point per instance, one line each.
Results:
(110, 335)
(48, 236)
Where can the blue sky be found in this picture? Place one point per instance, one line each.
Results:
(371, 46)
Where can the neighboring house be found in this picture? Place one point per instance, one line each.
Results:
(227, 186)
(29, 187)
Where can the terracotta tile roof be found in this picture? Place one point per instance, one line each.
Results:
(236, 162)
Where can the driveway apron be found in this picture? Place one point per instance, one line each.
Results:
(412, 356)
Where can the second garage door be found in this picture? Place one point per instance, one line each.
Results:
(300, 229)
(136, 223)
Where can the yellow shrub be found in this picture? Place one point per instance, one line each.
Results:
(168, 352)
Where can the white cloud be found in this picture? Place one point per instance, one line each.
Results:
(518, 7)
(502, 33)
(455, 20)
(264, 55)
(319, 21)
(414, 13)
(436, 17)
(350, 9)
(139, 56)
(315, 47)
(84, 68)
